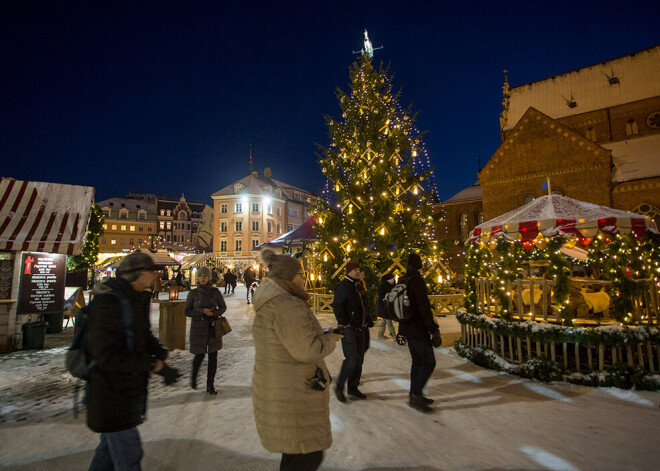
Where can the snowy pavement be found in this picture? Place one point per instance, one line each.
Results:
(483, 420)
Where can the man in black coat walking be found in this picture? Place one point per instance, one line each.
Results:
(350, 309)
(248, 279)
(124, 355)
(422, 334)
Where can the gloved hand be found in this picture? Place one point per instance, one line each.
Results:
(436, 340)
(170, 375)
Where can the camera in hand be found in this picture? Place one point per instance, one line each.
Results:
(339, 330)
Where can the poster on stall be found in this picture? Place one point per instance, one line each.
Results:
(42, 283)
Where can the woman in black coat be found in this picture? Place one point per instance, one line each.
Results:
(204, 305)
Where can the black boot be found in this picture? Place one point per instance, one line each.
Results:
(211, 390)
(420, 403)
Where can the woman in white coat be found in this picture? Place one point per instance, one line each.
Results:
(292, 413)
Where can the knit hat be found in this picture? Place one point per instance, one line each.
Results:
(136, 262)
(280, 266)
(350, 266)
(414, 261)
(204, 271)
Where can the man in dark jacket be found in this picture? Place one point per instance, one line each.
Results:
(248, 278)
(227, 277)
(350, 309)
(117, 395)
(422, 333)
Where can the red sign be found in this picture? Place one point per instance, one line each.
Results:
(42, 283)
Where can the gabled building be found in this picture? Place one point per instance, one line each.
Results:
(178, 223)
(254, 210)
(593, 132)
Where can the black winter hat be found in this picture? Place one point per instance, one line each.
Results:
(137, 261)
(415, 261)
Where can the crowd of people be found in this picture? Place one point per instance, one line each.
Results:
(290, 382)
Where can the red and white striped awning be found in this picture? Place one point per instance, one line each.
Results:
(550, 215)
(44, 217)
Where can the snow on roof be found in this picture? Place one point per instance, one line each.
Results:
(635, 159)
(638, 77)
(44, 217)
(471, 193)
(128, 203)
(255, 185)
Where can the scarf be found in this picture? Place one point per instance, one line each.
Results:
(291, 288)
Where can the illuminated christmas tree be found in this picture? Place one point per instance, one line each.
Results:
(378, 204)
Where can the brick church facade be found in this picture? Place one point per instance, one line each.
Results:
(594, 132)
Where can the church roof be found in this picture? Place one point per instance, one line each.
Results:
(590, 88)
(635, 159)
(471, 193)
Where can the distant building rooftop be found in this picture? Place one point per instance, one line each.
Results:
(471, 193)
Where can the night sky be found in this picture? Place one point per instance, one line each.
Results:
(166, 97)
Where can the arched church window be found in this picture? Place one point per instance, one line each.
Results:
(182, 215)
(632, 127)
(528, 198)
(463, 226)
(590, 133)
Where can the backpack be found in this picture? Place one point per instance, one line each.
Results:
(77, 362)
(397, 302)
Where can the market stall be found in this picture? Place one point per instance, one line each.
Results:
(559, 269)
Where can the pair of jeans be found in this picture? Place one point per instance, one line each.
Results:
(423, 363)
(118, 451)
(354, 345)
(212, 368)
(390, 327)
(301, 462)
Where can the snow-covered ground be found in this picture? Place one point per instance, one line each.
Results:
(483, 420)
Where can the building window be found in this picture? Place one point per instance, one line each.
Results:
(223, 226)
(296, 196)
(104, 240)
(142, 215)
(140, 228)
(162, 225)
(169, 212)
(105, 227)
(269, 225)
(187, 226)
(113, 241)
(140, 241)
(123, 214)
(289, 227)
(131, 241)
(255, 242)
(123, 227)
(294, 211)
(270, 209)
(480, 218)
(239, 226)
(238, 245)
(632, 127)
(278, 211)
(238, 208)
(653, 120)
(223, 208)
(132, 228)
(463, 226)
(114, 227)
(255, 225)
(255, 207)
(650, 211)
(162, 212)
(169, 225)
(528, 199)
(149, 229)
(590, 133)
(278, 228)
(122, 241)
(106, 213)
(223, 246)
